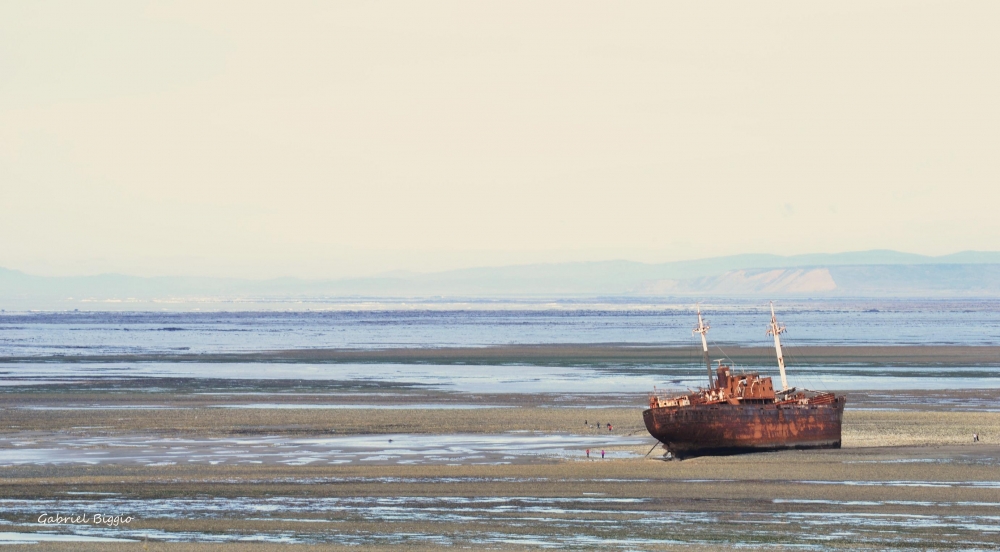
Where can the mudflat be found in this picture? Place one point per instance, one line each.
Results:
(196, 463)
(851, 499)
(905, 478)
(862, 428)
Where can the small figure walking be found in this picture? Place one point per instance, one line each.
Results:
(588, 453)
(602, 454)
(609, 427)
(585, 422)
(598, 425)
(975, 437)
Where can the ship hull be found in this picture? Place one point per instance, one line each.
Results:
(700, 430)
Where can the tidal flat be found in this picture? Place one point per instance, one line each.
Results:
(483, 448)
(510, 474)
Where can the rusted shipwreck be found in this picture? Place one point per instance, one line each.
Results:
(743, 412)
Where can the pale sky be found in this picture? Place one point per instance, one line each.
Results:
(344, 138)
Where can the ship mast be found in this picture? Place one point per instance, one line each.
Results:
(776, 330)
(703, 329)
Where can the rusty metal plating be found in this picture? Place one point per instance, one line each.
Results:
(744, 413)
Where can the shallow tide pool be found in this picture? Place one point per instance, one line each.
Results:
(354, 449)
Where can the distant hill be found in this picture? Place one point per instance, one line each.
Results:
(918, 280)
(857, 274)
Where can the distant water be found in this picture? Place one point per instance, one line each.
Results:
(433, 325)
(598, 379)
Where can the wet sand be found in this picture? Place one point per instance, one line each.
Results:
(865, 498)
(861, 427)
(908, 477)
(903, 479)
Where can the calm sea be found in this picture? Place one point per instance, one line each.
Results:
(393, 325)
(435, 324)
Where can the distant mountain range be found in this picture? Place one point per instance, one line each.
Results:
(858, 274)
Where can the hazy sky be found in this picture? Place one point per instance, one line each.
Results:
(340, 138)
